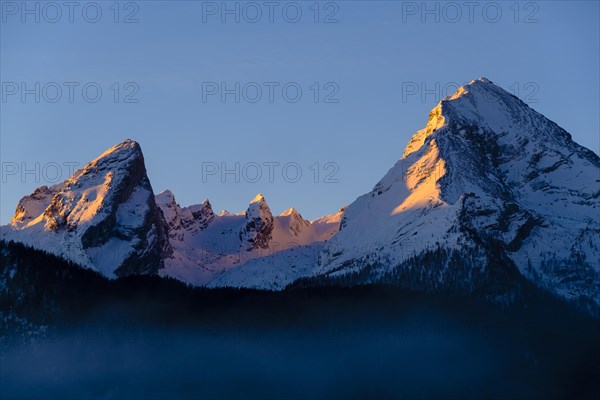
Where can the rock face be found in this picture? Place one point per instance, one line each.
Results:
(188, 219)
(489, 191)
(201, 215)
(103, 217)
(489, 196)
(258, 229)
(248, 249)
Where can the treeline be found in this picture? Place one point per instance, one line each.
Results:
(43, 289)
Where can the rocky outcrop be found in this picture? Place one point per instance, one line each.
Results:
(257, 231)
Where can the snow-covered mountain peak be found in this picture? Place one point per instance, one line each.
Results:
(490, 178)
(288, 212)
(485, 111)
(125, 149)
(297, 226)
(165, 197)
(259, 198)
(201, 213)
(483, 103)
(192, 218)
(258, 207)
(165, 200)
(93, 191)
(103, 217)
(488, 190)
(481, 79)
(257, 231)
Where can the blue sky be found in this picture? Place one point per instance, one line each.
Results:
(351, 129)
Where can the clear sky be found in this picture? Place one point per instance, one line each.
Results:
(380, 66)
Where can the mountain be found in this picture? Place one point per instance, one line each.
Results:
(488, 192)
(104, 217)
(257, 231)
(249, 249)
(488, 198)
(300, 243)
(179, 219)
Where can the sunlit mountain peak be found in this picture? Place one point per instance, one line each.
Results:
(288, 212)
(258, 198)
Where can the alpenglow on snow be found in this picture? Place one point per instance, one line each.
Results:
(488, 193)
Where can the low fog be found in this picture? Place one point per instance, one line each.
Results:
(419, 352)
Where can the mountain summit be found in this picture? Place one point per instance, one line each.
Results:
(489, 196)
(258, 229)
(488, 190)
(103, 217)
(106, 217)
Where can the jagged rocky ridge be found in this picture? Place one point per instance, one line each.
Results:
(106, 217)
(489, 194)
(250, 249)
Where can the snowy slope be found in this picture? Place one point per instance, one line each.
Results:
(489, 192)
(490, 179)
(273, 271)
(248, 249)
(103, 217)
(106, 217)
(298, 259)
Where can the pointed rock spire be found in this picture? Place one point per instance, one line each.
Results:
(170, 209)
(258, 228)
(202, 214)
